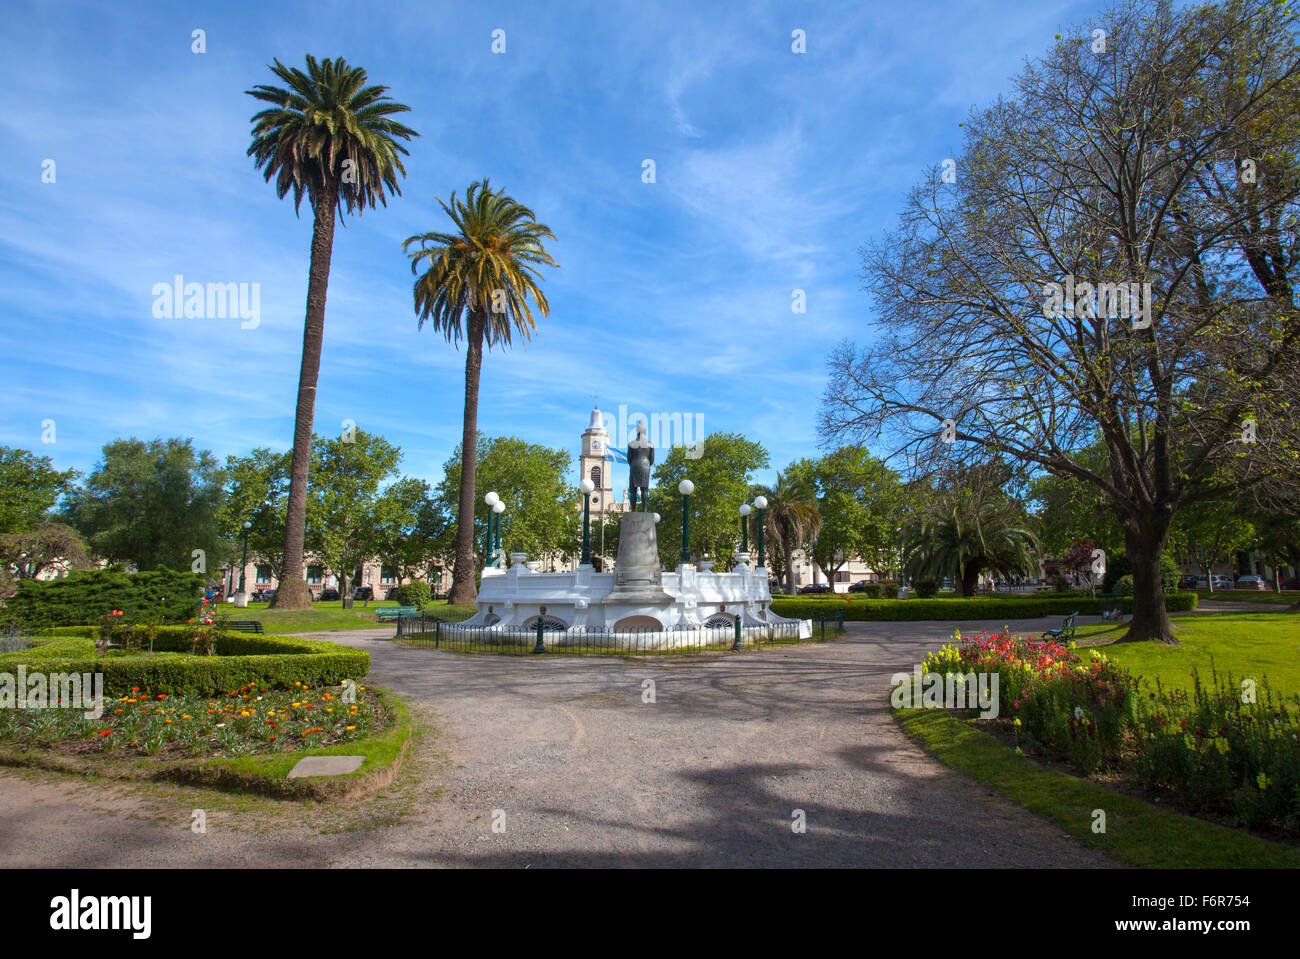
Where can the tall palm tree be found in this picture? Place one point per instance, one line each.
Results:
(962, 535)
(477, 283)
(792, 519)
(329, 137)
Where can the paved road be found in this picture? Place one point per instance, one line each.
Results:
(587, 774)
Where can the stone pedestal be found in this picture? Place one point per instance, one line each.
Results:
(638, 580)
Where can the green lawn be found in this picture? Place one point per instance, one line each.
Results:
(1286, 597)
(1249, 645)
(331, 616)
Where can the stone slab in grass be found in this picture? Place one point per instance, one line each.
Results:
(326, 766)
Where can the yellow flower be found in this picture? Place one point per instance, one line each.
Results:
(1262, 781)
(350, 728)
(186, 716)
(1017, 722)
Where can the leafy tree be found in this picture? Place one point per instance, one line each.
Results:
(858, 497)
(409, 528)
(477, 283)
(343, 511)
(1212, 532)
(791, 519)
(151, 504)
(330, 137)
(257, 492)
(1069, 511)
(29, 488)
(36, 550)
(534, 482)
(1170, 161)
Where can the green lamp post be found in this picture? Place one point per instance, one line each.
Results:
(745, 510)
(498, 508)
(587, 487)
(491, 499)
(760, 504)
(686, 488)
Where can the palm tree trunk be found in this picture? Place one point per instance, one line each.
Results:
(789, 555)
(292, 591)
(462, 577)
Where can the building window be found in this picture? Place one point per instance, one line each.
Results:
(595, 477)
(387, 576)
(263, 575)
(313, 575)
(842, 576)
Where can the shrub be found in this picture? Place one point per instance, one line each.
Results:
(415, 594)
(83, 596)
(1124, 585)
(239, 659)
(1119, 567)
(975, 607)
(926, 588)
(890, 588)
(871, 591)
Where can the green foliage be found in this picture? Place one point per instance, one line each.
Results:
(1069, 510)
(1119, 567)
(926, 588)
(534, 481)
(722, 475)
(257, 492)
(1124, 585)
(792, 519)
(978, 607)
(240, 659)
(151, 504)
(858, 498)
(84, 596)
(415, 594)
(29, 488)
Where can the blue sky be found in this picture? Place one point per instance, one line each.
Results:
(772, 170)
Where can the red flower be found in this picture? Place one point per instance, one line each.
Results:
(106, 732)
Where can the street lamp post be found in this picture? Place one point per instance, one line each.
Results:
(243, 567)
(586, 486)
(498, 508)
(686, 488)
(491, 499)
(745, 510)
(760, 504)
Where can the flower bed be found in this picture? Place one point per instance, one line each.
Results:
(1226, 749)
(245, 721)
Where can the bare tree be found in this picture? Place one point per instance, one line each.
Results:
(1112, 257)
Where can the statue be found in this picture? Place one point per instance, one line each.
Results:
(640, 457)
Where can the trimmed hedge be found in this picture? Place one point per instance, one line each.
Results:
(975, 607)
(415, 594)
(242, 658)
(83, 596)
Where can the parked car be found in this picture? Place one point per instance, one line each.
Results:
(262, 595)
(816, 588)
(861, 586)
(390, 593)
(363, 592)
(329, 595)
(1220, 582)
(1189, 582)
(1251, 582)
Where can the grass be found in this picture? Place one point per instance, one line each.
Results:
(1286, 597)
(331, 616)
(1138, 833)
(1248, 645)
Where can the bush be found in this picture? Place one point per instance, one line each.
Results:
(890, 588)
(975, 607)
(83, 596)
(415, 594)
(240, 659)
(1119, 567)
(926, 588)
(871, 591)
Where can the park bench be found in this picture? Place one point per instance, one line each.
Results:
(396, 612)
(1065, 631)
(245, 626)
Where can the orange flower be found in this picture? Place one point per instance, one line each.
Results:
(106, 732)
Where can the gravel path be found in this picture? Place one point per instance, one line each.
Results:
(584, 773)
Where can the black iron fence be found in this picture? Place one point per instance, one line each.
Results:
(514, 640)
(13, 639)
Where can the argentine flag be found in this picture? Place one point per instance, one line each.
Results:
(613, 455)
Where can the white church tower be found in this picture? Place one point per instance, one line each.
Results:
(592, 466)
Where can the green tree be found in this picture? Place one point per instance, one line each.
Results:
(858, 497)
(477, 283)
(152, 504)
(1212, 532)
(541, 516)
(48, 547)
(409, 528)
(792, 519)
(343, 511)
(1068, 510)
(30, 486)
(330, 137)
(257, 492)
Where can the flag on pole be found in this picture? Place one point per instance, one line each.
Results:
(615, 455)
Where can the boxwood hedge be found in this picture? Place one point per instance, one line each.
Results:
(241, 659)
(83, 596)
(974, 607)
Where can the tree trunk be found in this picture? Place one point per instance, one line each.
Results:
(1144, 543)
(462, 576)
(970, 577)
(292, 592)
(788, 549)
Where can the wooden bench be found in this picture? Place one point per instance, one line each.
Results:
(1064, 631)
(396, 612)
(245, 626)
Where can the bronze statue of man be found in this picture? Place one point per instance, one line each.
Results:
(640, 457)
